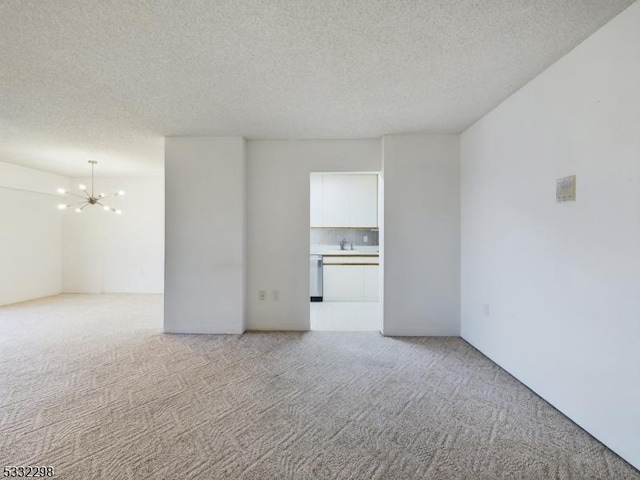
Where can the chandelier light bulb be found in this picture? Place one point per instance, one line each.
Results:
(62, 190)
(106, 208)
(62, 206)
(118, 212)
(101, 195)
(78, 210)
(82, 187)
(120, 193)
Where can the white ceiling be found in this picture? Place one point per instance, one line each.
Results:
(99, 79)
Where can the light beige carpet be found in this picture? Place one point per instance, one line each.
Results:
(90, 385)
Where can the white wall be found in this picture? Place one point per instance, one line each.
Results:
(562, 280)
(278, 221)
(108, 253)
(421, 235)
(205, 234)
(30, 233)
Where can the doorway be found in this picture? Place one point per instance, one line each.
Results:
(345, 267)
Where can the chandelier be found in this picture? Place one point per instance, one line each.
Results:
(89, 198)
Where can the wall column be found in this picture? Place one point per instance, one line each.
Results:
(421, 235)
(204, 235)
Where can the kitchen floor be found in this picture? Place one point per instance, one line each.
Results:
(346, 316)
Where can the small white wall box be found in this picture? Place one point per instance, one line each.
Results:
(566, 189)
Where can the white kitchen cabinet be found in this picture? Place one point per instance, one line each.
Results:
(363, 200)
(342, 283)
(371, 282)
(344, 200)
(336, 197)
(350, 283)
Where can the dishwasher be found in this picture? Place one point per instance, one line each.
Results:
(315, 277)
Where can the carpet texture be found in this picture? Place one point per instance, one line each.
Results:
(90, 385)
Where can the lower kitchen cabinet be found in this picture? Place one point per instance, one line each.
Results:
(370, 274)
(350, 283)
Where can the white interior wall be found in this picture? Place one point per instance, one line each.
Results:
(30, 233)
(278, 221)
(108, 253)
(421, 235)
(205, 234)
(560, 281)
(381, 247)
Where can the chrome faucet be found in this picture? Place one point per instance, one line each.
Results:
(343, 244)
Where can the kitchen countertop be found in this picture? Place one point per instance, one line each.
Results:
(335, 250)
(349, 253)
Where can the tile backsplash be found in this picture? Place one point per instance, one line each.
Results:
(330, 236)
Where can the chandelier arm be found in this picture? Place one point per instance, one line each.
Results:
(111, 209)
(76, 195)
(83, 207)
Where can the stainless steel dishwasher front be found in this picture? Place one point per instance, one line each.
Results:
(315, 277)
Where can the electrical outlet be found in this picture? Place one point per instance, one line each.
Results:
(262, 294)
(275, 295)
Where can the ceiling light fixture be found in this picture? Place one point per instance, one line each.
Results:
(89, 198)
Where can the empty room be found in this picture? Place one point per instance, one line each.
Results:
(334, 239)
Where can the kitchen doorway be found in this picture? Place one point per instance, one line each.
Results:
(345, 254)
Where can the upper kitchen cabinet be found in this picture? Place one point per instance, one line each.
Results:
(344, 200)
(336, 198)
(363, 206)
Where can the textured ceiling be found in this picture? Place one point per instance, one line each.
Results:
(107, 80)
